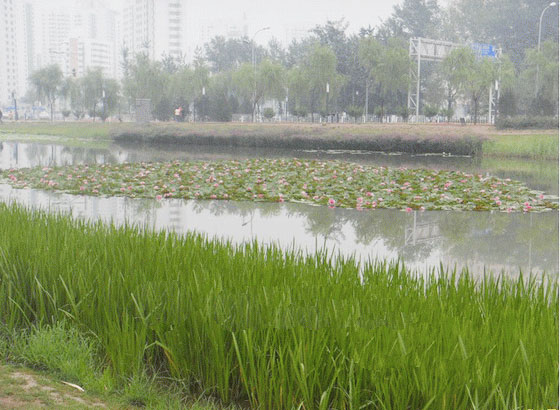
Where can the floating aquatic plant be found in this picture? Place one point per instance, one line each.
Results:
(330, 183)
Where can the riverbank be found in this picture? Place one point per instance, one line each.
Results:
(411, 138)
(275, 329)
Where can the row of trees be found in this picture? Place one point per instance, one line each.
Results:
(94, 94)
(330, 71)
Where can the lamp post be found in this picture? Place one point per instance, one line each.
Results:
(254, 62)
(15, 105)
(327, 89)
(552, 4)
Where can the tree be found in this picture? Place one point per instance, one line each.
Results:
(392, 74)
(224, 55)
(268, 113)
(471, 75)
(511, 24)
(545, 100)
(147, 79)
(452, 76)
(430, 111)
(267, 82)
(354, 111)
(320, 70)
(414, 18)
(46, 82)
(370, 52)
(92, 84)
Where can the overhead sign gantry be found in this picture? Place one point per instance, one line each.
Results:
(425, 49)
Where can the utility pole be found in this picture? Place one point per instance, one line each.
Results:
(16, 116)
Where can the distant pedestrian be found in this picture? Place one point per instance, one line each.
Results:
(177, 114)
(1, 117)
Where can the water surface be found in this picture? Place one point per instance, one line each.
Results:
(478, 240)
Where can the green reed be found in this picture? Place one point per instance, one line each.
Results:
(282, 330)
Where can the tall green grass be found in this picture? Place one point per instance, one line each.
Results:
(534, 146)
(280, 330)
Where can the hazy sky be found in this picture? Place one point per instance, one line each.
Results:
(279, 13)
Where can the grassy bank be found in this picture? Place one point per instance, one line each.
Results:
(533, 146)
(331, 183)
(411, 138)
(279, 330)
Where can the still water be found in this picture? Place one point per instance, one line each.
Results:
(478, 240)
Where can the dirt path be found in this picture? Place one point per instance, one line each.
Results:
(25, 389)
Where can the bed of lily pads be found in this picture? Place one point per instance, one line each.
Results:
(329, 183)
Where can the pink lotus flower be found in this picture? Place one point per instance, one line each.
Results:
(158, 197)
(331, 202)
(408, 210)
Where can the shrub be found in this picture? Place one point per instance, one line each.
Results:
(268, 113)
(430, 111)
(354, 111)
(526, 122)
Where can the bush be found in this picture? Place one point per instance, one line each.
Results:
(268, 113)
(354, 111)
(526, 122)
(430, 111)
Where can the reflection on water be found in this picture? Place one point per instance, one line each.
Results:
(539, 175)
(479, 240)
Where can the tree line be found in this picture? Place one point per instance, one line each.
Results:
(330, 71)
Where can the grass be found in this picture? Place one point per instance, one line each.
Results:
(533, 146)
(280, 330)
(332, 183)
(37, 363)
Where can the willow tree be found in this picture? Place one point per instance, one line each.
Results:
(46, 83)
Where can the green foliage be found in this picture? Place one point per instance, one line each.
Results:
(471, 75)
(60, 349)
(289, 180)
(268, 113)
(545, 62)
(355, 112)
(280, 329)
(527, 122)
(46, 83)
(431, 111)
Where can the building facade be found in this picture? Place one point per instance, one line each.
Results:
(154, 27)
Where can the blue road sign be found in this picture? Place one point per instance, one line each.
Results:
(484, 50)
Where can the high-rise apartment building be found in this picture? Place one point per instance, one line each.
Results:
(8, 55)
(154, 27)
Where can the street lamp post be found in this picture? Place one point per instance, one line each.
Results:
(16, 116)
(254, 62)
(552, 4)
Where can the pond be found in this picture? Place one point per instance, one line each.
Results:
(480, 240)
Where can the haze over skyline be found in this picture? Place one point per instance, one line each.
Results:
(277, 15)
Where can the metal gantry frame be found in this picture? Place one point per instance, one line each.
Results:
(425, 49)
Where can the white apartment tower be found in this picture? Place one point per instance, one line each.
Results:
(8, 51)
(154, 27)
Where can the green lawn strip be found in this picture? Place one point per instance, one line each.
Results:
(330, 183)
(89, 130)
(281, 330)
(536, 146)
